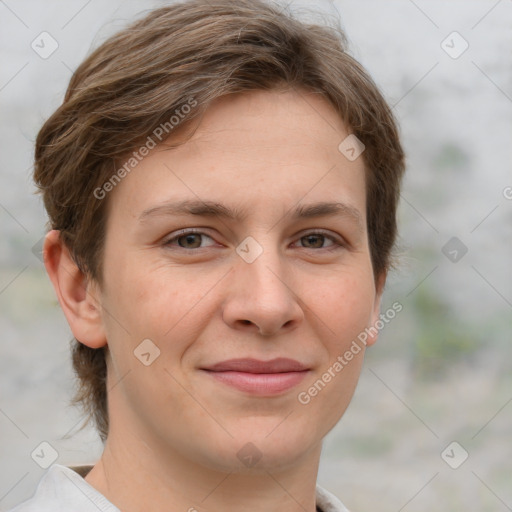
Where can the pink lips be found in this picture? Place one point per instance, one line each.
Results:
(259, 377)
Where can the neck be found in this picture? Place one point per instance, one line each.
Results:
(138, 475)
(192, 466)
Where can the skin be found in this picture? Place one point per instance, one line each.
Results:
(174, 430)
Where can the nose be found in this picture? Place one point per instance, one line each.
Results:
(261, 298)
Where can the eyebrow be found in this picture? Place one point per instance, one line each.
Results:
(214, 209)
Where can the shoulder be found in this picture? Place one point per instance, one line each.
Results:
(61, 489)
(327, 502)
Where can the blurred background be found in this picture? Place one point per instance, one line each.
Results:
(430, 425)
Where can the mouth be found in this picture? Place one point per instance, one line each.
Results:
(264, 378)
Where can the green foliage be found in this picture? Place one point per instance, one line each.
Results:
(441, 337)
(451, 156)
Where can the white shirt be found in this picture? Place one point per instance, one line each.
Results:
(63, 490)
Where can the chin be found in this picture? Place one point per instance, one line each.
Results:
(258, 451)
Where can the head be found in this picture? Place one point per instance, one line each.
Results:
(235, 113)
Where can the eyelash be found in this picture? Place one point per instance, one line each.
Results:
(337, 244)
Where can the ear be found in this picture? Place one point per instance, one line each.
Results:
(373, 332)
(78, 296)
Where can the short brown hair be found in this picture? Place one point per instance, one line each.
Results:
(142, 76)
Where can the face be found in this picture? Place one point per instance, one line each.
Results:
(249, 243)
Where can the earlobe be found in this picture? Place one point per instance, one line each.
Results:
(78, 297)
(373, 331)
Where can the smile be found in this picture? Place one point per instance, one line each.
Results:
(260, 383)
(264, 378)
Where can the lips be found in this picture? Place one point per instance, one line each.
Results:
(279, 365)
(264, 378)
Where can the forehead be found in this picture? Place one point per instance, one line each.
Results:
(251, 150)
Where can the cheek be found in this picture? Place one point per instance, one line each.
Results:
(139, 292)
(157, 303)
(346, 309)
(346, 305)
